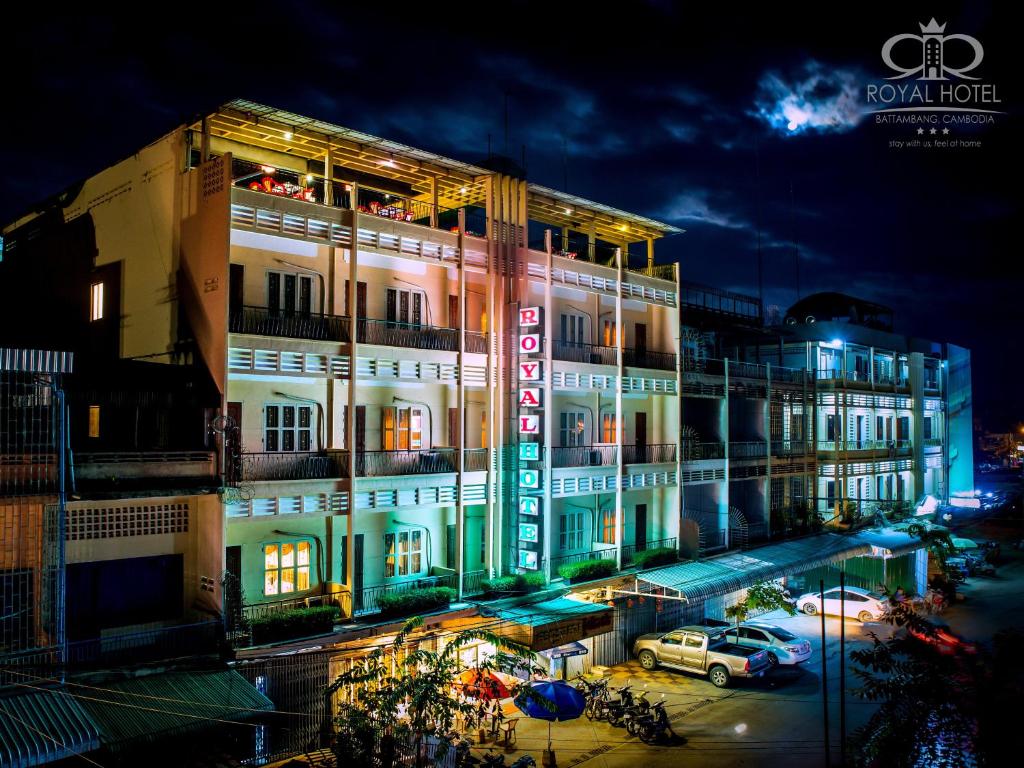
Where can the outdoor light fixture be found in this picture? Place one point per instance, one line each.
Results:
(464, 190)
(309, 177)
(269, 169)
(287, 135)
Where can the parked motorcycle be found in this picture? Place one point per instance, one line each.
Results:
(655, 726)
(634, 714)
(613, 710)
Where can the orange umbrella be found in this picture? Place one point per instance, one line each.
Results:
(483, 684)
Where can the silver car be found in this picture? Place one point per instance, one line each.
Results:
(783, 646)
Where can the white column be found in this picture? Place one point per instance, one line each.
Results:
(619, 425)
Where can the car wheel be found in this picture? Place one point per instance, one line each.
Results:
(719, 676)
(864, 617)
(648, 660)
(810, 609)
(773, 659)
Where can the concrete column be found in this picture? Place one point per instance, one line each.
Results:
(549, 421)
(433, 207)
(328, 175)
(460, 408)
(723, 501)
(350, 421)
(677, 330)
(619, 422)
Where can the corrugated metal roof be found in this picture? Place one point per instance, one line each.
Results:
(549, 611)
(43, 726)
(727, 573)
(156, 706)
(35, 360)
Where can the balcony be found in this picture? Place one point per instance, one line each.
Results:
(748, 449)
(389, 333)
(593, 354)
(366, 600)
(791, 447)
(744, 370)
(584, 456)
(289, 324)
(429, 461)
(891, 446)
(124, 469)
(657, 271)
(299, 465)
(703, 451)
(647, 358)
(608, 553)
(475, 460)
(716, 301)
(660, 453)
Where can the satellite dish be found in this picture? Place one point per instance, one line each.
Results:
(810, 320)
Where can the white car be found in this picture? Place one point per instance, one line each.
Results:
(783, 646)
(860, 603)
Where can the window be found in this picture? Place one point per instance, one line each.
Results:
(608, 421)
(570, 531)
(606, 534)
(290, 292)
(403, 553)
(285, 567)
(572, 428)
(830, 493)
(401, 429)
(572, 329)
(94, 421)
(96, 301)
(610, 337)
(694, 641)
(927, 429)
(288, 428)
(404, 307)
(830, 427)
(676, 638)
(903, 428)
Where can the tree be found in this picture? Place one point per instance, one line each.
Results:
(763, 597)
(403, 695)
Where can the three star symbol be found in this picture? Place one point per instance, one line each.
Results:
(933, 131)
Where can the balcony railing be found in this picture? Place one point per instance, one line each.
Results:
(389, 333)
(305, 465)
(398, 208)
(865, 445)
(702, 451)
(791, 447)
(472, 583)
(578, 557)
(647, 358)
(574, 352)
(747, 370)
(629, 550)
(658, 271)
(788, 375)
(475, 460)
(718, 301)
(476, 342)
(337, 596)
(660, 453)
(584, 456)
(366, 600)
(748, 449)
(421, 462)
(292, 324)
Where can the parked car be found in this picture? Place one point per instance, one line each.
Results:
(860, 603)
(781, 645)
(703, 651)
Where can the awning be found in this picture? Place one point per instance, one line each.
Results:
(551, 623)
(151, 707)
(699, 581)
(716, 576)
(43, 726)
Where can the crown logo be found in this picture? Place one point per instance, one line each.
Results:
(932, 28)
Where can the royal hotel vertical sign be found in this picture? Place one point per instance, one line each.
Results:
(530, 412)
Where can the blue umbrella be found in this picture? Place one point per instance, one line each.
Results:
(568, 702)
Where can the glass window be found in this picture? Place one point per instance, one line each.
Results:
(288, 428)
(96, 301)
(401, 429)
(610, 338)
(290, 291)
(570, 531)
(608, 424)
(94, 421)
(572, 428)
(676, 638)
(607, 529)
(782, 635)
(403, 553)
(404, 307)
(694, 641)
(286, 567)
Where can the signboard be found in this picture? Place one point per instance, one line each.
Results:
(528, 532)
(530, 370)
(569, 630)
(529, 402)
(529, 505)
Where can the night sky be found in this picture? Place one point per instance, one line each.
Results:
(703, 116)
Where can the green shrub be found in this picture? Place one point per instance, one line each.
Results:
(649, 558)
(586, 570)
(292, 623)
(519, 583)
(424, 598)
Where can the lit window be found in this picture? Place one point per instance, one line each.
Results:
(608, 422)
(403, 553)
(96, 302)
(401, 429)
(285, 567)
(607, 526)
(94, 421)
(611, 334)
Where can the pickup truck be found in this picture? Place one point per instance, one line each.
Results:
(702, 650)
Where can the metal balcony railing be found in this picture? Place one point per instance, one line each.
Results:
(292, 324)
(791, 447)
(422, 462)
(472, 583)
(718, 301)
(584, 456)
(399, 208)
(747, 370)
(658, 271)
(366, 599)
(298, 465)
(788, 375)
(647, 358)
(574, 352)
(579, 557)
(629, 550)
(337, 596)
(476, 342)
(748, 449)
(702, 451)
(475, 460)
(390, 333)
(864, 445)
(659, 453)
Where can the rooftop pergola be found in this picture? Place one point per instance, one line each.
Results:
(455, 183)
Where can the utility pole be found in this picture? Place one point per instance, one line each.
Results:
(824, 675)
